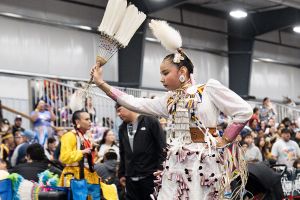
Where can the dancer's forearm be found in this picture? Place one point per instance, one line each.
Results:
(109, 90)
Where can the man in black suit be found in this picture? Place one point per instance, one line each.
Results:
(142, 144)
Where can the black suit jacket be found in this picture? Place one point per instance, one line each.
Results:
(148, 148)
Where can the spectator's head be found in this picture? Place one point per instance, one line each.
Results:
(286, 122)
(108, 137)
(3, 165)
(81, 120)
(253, 122)
(18, 121)
(5, 125)
(244, 145)
(27, 135)
(110, 155)
(286, 134)
(266, 101)
(256, 111)
(51, 144)
(35, 152)
(18, 137)
(271, 122)
(296, 164)
(88, 102)
(260, 142)
(126, 115)
(248, 138)
(40, 105)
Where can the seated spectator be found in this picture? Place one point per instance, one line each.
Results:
(266, 110)
(252, 153)
(108, 142)
(20, 151)
(35, 164)
(89, 108)
(3, 165)
(253, 123)
(244, 145)
(18, 137)
(4, 149)
(17, 125)
(5, 126)
(256, 113)
(284, 150)
(8, 143)
(263, 146)
(51, 147)
(108, 169)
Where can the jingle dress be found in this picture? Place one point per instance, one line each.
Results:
(196, 170)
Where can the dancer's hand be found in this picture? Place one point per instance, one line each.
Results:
(221, 142)
(123, 181)
(86, 151)
(97, 73)
(157, 173)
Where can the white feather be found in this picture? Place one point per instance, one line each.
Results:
(131, 22)
(113, 16)
(167, 35)
(76, 101)
(25, 190)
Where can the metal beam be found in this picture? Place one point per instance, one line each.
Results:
(240, 60)
(130, 60)
(150, 6)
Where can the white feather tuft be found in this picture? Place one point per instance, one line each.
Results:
(113, 16)
(167, 35)
(76, 101)
(131, 22)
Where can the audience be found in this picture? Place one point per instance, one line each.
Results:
(108, 142)
(284, 150)
(17, 125)
(20, 151)
(36, 163)
(252, 153)
(50, 149)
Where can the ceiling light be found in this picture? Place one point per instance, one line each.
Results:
(296, 29)
(238, 14)
(12, 15)
(84, 27)
(267, 59)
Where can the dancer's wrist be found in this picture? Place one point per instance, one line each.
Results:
(100, 83)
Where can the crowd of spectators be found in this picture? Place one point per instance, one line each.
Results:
(28, 152)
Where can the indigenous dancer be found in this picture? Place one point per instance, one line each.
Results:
(200, 164)
(76, 151)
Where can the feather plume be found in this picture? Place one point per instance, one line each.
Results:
(167, 35)
(113, 16)
(131, 22)
(76, 101)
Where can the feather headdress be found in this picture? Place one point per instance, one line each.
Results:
(168, 37)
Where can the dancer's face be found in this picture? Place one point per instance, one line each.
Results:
(170, 75)
(84, 121)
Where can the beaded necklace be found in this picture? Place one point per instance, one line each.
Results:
(182, 106)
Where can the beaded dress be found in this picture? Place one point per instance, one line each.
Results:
(196, 170)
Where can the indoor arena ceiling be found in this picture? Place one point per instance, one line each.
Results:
(214, 5)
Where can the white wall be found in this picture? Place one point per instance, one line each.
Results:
(48, 50)
(206, 66)
(274, 81)
(14, 94)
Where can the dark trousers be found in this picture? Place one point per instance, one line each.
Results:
(141, 189)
